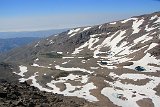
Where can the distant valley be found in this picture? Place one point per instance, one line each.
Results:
(10, 43)
(10, 40)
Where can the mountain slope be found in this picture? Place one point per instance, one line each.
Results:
(112, 64)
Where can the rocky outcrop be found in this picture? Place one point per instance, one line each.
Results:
(24, 95)
(6, 72)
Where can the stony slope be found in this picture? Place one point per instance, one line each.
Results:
(112, 64)
(15, 94)
(23, 95)
(6, 72)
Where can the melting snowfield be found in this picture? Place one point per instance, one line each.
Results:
(81, 91)
(127, 91)
(127, 70)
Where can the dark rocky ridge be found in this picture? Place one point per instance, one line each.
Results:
(24, 95)
(6, 72)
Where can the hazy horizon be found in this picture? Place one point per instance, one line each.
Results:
(29, 15)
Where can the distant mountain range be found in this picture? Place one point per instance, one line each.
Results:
(10, 43)
(10, 40)
(42, 33)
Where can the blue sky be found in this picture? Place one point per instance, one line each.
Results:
(27, 15)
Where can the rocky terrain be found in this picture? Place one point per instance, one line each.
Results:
(24, 95)
(14, 94)
(113, 64)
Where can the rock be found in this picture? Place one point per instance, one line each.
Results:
(133, 95)
(139, 68)
(104, 63)
(2, 81)
(3, 94)
(29, 82)
(23, 95)
(20, 103)
(31, 104)
(13, 97)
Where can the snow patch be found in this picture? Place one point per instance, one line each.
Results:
(72, 34)
(72, 69)
(124, 21)
(36, 65)
(51, 42)
(112, 23)
(60, 52)
(136, 25)
(82, 92)
(37, 44)
(73, 30)
(149, 29)
(65, 62)
(141, 38)
(152, 46)
(68, 57)
(34, 82)
(154, 17)
(83, 61)
(144, 62)
(94, 67)
(89, 43)
(23, 69)
(77, 50)
(100, 26)
(36, 59)
(87, 28)
(140, 91)
(158, 20)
